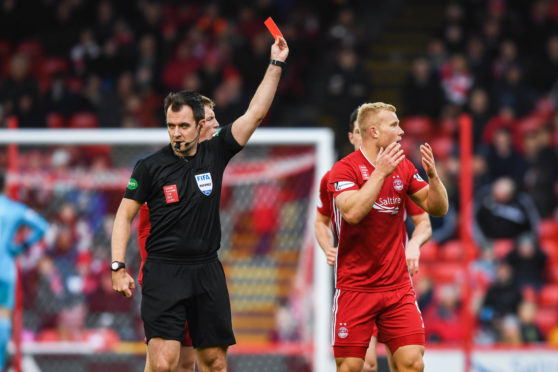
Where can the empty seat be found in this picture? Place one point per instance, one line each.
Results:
(502, 247)
(417, 126)
(429, 251)
(452, 251)
(546, 318)
(84, 120)
(442, 147)
(56, 120)
(447, 272)
(548, 295)
(548, 230)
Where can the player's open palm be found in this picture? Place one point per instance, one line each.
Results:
(389, 159)
(428, 160)
(280, 49)
(123, 283)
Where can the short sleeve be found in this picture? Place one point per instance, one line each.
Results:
(412, 208)
(139, 185)
(415, 180)
(227, 142)
(342, 178)
(324, 202)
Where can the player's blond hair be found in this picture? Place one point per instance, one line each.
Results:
(208, 102)
(367, 109)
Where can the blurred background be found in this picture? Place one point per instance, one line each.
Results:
(109, 64)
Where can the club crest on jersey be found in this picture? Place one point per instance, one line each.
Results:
(205, 183)
(342, 331)
(398, 184)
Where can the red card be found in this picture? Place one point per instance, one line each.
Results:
(272, 27)
(171, 193)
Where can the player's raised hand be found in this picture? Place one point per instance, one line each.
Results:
(388, 159)
(123, 283)
(280, 49)
(428, 162)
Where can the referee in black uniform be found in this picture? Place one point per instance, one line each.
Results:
(183, 279)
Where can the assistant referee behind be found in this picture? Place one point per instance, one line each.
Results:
(183, 279)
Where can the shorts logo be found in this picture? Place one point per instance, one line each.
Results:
(171, 193)
(205, 183)
(398, 184)
(342, 185)
(343, 332)
(132, 184)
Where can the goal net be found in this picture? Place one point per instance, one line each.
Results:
(280, 288)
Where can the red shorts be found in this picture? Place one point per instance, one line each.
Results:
(356, 314)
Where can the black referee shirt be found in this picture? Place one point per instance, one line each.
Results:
(183, 196)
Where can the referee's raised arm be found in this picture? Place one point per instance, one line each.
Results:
(244, 126)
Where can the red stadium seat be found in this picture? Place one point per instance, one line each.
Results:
(549, 295)
(502, 247)
(419, 127)
(552, 273)
(52, 65)
(442, 147)
(32, 48)
(550, 247)
(5, 49)
(546, 318)
(452, 251)
(548, 230)
(429, 251)
(84, 120)
(447, 272)
(56, 120)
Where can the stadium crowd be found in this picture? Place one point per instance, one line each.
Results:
(108, 63)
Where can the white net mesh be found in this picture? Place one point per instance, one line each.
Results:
(72, 318)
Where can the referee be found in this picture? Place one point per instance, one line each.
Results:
(183, 279)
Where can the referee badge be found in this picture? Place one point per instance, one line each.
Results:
(205, 183)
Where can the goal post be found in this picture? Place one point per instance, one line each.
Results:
(274, 159)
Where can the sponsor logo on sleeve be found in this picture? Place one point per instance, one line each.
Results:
(132, 184)
(342, 185)
(364, 172)
(205, 184)
(418, 177)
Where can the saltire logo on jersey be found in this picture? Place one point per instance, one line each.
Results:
(205, 183)
(132, 184)
(342, 185)
(387, 205)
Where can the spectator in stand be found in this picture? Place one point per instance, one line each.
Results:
(545, 73)
(20, 95)
(443, 320)
(529, 330)
(504, 119)
(478, 63)
(502, 297)
(510, 331)
(437, 56)
(456, 80)
(507, 59)
(502, 158)
(479, 109)
(511, 91)
(503, 212)
(422, 94)
(542, 172)
(528, 261)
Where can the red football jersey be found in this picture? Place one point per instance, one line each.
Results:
(371, 254)
(144, 226)
(324, 202)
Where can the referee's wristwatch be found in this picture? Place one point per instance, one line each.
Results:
(117, 265)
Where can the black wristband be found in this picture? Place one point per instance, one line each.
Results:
(277, 63)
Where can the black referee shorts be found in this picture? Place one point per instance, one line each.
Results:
(174, 293)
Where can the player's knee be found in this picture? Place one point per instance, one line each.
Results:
(370, 366)
(187, 366)
(411, 362)
(162, 365)
(349, 364)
